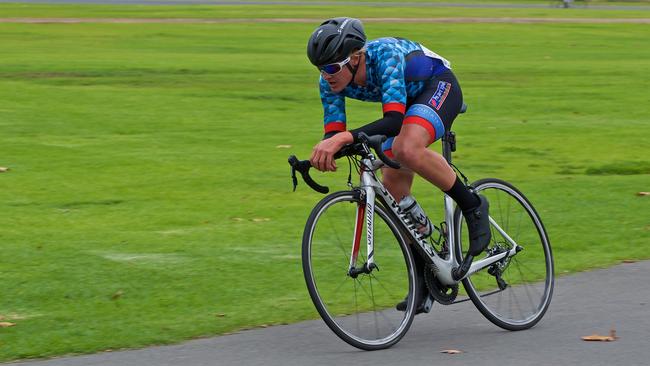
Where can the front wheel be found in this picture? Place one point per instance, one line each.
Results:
(359, 308)
(515, 292)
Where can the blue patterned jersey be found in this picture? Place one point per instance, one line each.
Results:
(396, 69)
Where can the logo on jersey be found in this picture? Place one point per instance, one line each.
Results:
(440, 95)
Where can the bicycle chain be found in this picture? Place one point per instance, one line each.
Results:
(445, 295)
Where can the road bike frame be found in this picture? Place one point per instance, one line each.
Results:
(371, 187)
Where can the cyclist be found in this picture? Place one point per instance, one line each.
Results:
(420, 99)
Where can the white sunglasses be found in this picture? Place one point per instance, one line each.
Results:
(334, 68)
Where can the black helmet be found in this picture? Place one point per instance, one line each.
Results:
(334, 40)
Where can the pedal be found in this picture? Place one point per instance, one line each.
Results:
(501, 283)
(428, 304)
(460, 272)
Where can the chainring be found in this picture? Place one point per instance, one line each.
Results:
(443, 294)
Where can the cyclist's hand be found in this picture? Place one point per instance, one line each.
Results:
(322, 157)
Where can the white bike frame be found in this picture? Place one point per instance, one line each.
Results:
(372, 187)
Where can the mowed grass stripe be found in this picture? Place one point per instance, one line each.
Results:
(312, 20)
(10, 10)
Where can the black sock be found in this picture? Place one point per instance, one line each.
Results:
(465, 199)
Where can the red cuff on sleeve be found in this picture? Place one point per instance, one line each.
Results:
(334, 127)
(394, 107)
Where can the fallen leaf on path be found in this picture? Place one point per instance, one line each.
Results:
(6, 324)
(451, 351)
(601, 338)
(598, 338)
(3, 169)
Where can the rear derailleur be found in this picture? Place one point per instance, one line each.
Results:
(499, 267)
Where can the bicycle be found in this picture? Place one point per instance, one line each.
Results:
(355, 292)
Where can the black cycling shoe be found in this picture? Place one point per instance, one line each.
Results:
(420, 300)
(478, 224)
(401, 306)
(422, 293)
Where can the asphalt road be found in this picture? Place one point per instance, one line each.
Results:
(583, 304)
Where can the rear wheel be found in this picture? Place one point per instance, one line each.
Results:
(515, 292)
(360, 309)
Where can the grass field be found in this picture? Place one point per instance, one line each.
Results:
(313, 11)
(149, 201)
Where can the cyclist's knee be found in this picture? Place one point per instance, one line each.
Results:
(407, 152)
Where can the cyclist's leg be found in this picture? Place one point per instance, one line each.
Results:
(428, 117)
(397, 181)
(410, 149)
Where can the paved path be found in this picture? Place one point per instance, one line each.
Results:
(583, 304)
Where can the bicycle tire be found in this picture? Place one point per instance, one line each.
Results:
(525, 281)
(326, 252)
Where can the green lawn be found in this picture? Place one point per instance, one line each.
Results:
(317, 12)
(149, 201)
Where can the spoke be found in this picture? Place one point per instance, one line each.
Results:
(338, 237)
(345, 280)
(499, 298)
(384, 287)
(356, 309)
(525, 285)
(521, 218)
(527, 268)
(358, 280)
(374, 305)
(498, 196)
(512, 294)
(499, 193)
(508, 218)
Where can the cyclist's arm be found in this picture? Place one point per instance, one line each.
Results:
(336, 136)
(333, 110)
(389, 126)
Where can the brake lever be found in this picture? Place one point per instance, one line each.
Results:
(293, 178)
(375, 142)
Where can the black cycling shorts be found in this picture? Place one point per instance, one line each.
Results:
(434, 109)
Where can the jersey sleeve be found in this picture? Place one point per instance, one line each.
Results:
(393, 85)
(333, 109)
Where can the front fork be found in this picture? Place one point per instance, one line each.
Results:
(365, 211)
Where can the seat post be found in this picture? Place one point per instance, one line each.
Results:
(448, 145)
(449, 139)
